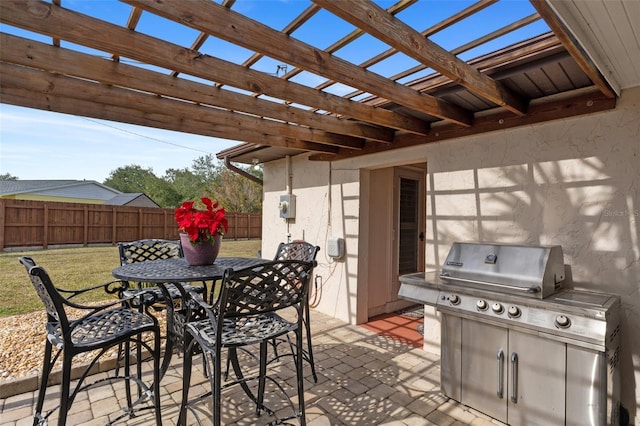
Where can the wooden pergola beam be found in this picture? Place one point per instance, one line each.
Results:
(25, 52)
(44, 18)
(539, 112)
(209, 17)
(381, 24)
(211, 121)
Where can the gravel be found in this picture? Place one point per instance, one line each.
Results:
(22, 339)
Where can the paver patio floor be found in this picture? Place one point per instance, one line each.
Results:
(363, 379)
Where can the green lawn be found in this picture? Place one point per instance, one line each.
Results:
(73, 268)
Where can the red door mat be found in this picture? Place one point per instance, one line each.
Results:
(405, 327)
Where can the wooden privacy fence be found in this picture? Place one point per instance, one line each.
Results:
(47, 223)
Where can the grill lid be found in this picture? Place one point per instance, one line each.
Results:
(533, 271)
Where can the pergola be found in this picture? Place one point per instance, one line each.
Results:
(280, 94)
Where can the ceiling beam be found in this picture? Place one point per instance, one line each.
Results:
(381, 24)
(581, 103)
(221, 123)
(569, 42)
(30, 99)
(209, 17)
(45, 18)
(29, 53)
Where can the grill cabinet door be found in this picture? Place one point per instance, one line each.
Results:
(538, 374)
(484, 364)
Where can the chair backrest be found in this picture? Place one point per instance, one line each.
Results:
(53, 301)
(269, 287)
(297, 250)
(149, 249)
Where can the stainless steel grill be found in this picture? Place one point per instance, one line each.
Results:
(517, 343)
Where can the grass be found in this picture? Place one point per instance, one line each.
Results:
(74, 268)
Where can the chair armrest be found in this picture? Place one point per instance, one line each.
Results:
(116, 287)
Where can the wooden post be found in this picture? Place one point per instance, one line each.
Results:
(113, 226)
(140, 224)
(2, 224)
(45, 226)
(85, 237)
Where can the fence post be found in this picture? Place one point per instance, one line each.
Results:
(85, 237)
(3, 228)
(139, 224)
(114, 227)
(45, 225)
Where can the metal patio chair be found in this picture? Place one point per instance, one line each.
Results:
(74, 328)
(155, 249)
(244, 313)
(301, 250)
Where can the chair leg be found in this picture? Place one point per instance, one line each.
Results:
(46, 370)
(186, 378)
(156, 378)
(216, 386)
(307, 325)
(65, 400)
(261, 376)
(125, 353)
(300, 379)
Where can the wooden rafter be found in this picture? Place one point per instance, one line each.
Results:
(107, 37)
(59, 60)
(224, 123)
(209, 17)
(378, 22)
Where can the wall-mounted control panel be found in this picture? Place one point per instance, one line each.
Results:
(335, 247)
(287, 206)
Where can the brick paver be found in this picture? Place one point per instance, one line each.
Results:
(363, 379)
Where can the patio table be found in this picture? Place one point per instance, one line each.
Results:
(177, 271)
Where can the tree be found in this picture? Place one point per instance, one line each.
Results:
(188, 185)
(133, 178)
(236, 193)
(7, 176)
(207, 177)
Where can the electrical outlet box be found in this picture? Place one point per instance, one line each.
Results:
(287, 206)
(335, 247)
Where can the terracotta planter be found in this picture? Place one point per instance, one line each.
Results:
(200, 254)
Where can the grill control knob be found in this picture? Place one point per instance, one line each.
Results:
(563, 321)
(514, 312)
(497, 308)
(454, 299)
(482, 305)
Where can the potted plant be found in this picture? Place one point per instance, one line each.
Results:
(201, 230)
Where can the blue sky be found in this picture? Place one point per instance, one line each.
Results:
(37, 144)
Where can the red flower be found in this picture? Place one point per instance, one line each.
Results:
(201, 225)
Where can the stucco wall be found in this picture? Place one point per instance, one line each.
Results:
(327, 199)
(573, 182)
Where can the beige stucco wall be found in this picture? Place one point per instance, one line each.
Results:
(573, 182)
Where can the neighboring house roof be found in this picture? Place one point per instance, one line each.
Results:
(137, 199)
(58, 188)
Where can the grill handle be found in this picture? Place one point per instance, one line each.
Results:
(500, 373)
(514, 377)
(533, 289)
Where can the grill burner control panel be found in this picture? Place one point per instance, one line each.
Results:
(550, 319)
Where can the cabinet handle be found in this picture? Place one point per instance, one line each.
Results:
(514, 377)
(500, 374)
